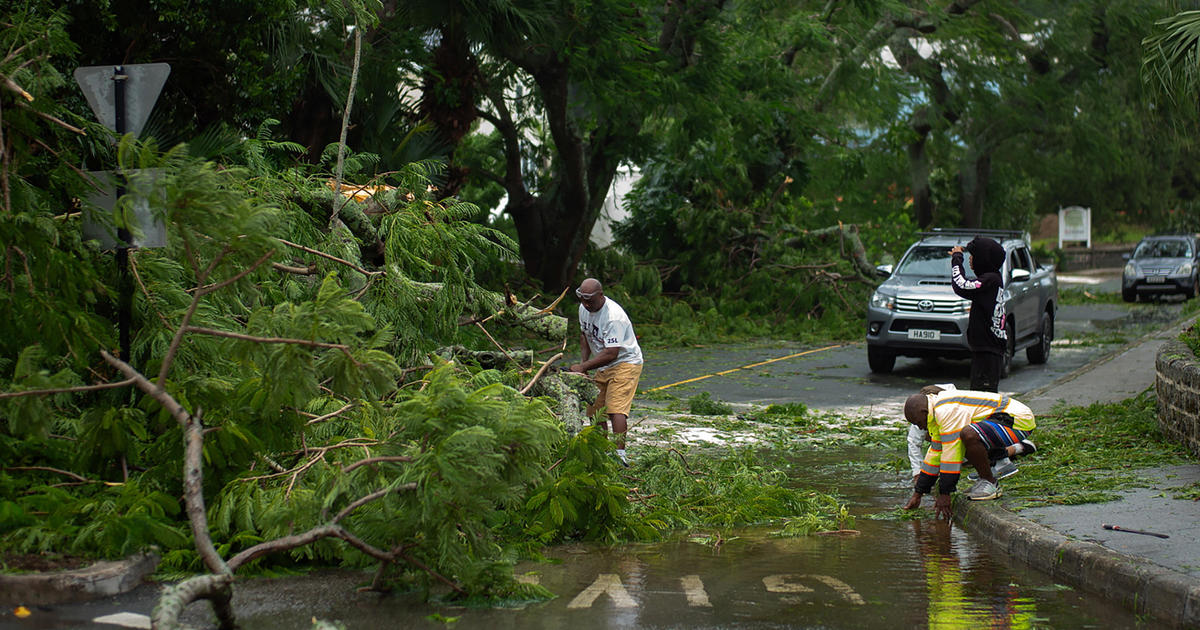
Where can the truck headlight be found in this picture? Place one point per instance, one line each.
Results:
(1184, 270)
(883, 300)
(1131, 269)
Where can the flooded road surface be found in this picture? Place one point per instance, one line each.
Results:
(891, 573)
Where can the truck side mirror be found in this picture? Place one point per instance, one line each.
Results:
(1020, 275)
(883, 271)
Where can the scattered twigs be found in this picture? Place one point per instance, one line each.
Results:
(68, 390)
(299, 271)
(377, 460)
(65, 473)
(437, 576)
(363, 500)
(146, 292)
(683, 459)
(839, 532)
(493, 340)
(52, 119)
(301, 342)
(329, 257)
(540, 372)
(347, 407)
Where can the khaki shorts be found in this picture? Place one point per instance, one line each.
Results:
(617, 386)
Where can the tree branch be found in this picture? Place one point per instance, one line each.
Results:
(377, 460)
(540, 372)
(333, 258)
(68, 390)
(363, 500)
(335, 414)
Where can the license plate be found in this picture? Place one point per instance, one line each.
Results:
(1155, 279)
(922, 333)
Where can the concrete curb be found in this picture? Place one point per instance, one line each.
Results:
(98, 580)
(1140, 586)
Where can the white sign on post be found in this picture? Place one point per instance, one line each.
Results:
(1075, 224)
(141, 84)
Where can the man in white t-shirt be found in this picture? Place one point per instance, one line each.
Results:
(607, 343)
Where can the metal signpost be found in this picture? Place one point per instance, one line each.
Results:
(122, 97)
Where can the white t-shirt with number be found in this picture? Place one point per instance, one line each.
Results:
(610, 327)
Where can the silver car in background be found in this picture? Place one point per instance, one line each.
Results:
(1163, 265)
(916, 313)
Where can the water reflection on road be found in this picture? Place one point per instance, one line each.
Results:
(893, 573)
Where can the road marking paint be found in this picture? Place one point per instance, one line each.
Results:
(605, 583)
(780, 584)
(785, 583)
(744, 367)
(694, 589)
(125, 620)
(841, 587)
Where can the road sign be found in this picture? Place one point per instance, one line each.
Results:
(142, 83)
(147, 229)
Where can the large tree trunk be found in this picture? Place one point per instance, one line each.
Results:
(449, 93)
(554, 228)
(918, 168)
(973, 181)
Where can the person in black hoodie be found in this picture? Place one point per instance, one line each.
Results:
(986, 333)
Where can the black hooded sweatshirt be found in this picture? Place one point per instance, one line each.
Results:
(985, 327)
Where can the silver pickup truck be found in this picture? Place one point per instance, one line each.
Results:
(915, 312)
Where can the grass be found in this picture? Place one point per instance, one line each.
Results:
(1092, 454)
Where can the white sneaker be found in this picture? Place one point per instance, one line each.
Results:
(984, 490)
(1002, 469)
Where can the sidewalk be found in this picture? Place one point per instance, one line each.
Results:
(1158, 577)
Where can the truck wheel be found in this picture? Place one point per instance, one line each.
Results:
(881, 361)
(1039, 352)
(1129, 295)
(1009, 351)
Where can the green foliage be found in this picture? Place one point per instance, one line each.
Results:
(1084, 453)
(583, 498)
(469, 455)
(726, 489)
(1191, 337)
(702, 404)
(119, 519)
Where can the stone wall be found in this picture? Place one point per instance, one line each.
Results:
(1177, 383)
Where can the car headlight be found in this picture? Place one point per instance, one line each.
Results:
(1184, 270)
(1131, 269)
(883, 300)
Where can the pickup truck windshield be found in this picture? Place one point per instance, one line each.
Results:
(926, 261)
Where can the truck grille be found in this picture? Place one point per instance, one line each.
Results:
(953, 306)
(903, 325)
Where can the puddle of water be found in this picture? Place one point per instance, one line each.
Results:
(891, 574)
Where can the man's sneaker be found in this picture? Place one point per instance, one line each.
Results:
(1030, 448)
(984, 490)
(621, 458)
(1002, 469)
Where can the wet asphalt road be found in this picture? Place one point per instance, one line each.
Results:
(836, 377)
